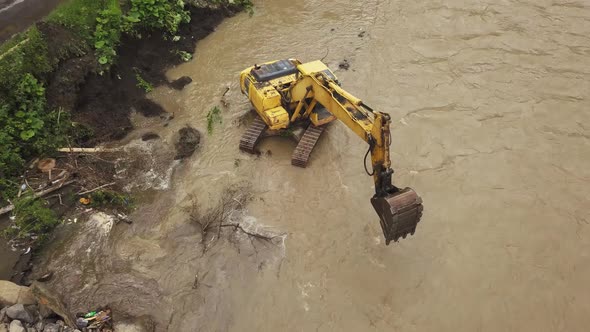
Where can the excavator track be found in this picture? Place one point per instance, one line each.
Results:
(252, 136)
(303, 150)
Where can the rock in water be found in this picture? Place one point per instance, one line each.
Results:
(16, 326)
(344, 65)
(11, 293)
(188, 141)
(180, 83)
(19, 312)
(149, 136)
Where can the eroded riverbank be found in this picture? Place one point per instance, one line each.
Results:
(490, 102)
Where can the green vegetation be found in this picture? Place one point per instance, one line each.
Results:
(31, 216)
(24, 54)
(142, 83)
(152, 15)
(214, 116)
(109, 198)
(184, 56)
(107, 34)
(79, 16)
(246, 4)
(28, 129)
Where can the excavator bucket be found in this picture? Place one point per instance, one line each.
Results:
(399, 213)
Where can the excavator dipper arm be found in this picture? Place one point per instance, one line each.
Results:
(399, 210)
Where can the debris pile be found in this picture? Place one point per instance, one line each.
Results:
(98, 320)
(25, 309)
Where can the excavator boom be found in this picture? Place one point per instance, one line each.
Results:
(288, 93)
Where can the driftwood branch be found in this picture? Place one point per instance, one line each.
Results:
(41, 193)
(97, 188)
(87, 150)
(256, 235)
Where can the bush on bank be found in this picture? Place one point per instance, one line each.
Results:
(29, 127)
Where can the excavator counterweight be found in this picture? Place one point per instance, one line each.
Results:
(299, 100)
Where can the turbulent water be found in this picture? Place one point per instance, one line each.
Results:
(491, 126)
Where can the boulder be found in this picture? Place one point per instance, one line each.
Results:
(39, 326)
(187, 142)
(180, 83)
(3, 327)
(19, 312)
(51, 328)
(11, 293)
(3, 316)
(17, 326)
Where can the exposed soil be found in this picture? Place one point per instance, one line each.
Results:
(104, 103)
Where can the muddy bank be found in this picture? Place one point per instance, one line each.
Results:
(104, 103)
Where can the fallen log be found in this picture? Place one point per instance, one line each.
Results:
(87, 150)
(41, 193)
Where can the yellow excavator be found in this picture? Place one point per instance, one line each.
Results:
(299, 100)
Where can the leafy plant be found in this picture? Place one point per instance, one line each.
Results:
(107, 34)
(155, 15)
(31, 216)
(142, 83)
(214, 116)
(247, 5)
(109, 198)
(26, 53)
(184, 56)
(27, 128)
(79, 16)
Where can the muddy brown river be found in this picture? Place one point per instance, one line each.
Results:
(490, 102)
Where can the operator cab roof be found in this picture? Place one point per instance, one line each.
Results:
(270, 71)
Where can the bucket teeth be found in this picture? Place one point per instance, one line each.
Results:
(303, 150)
(399, 213)
(252, 136)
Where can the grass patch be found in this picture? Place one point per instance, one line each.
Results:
(111, 199)
(25, 54)
(32, 216)
(79, 16)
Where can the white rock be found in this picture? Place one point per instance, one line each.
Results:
(16, 326)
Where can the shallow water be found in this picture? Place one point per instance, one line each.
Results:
(490, 108)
